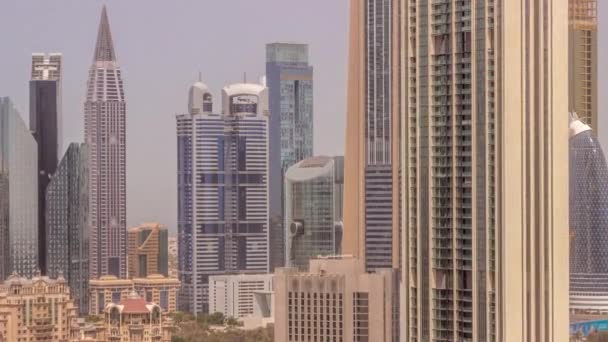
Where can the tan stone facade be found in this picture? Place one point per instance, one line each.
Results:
(37, 309)
(130, 320)
(154, 288)
(147, 249)
(336, 301)
(480, 94)
(583, 68)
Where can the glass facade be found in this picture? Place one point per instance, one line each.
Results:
(19, 196)
(588, 224)
(67, 241)
(290, 83)
(313, 209)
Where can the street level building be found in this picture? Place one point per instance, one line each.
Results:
(234, 295)
(35, 309)
(134, 319)
(336, 300)
(154, 288)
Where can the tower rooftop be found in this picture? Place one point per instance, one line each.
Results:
(104, 49)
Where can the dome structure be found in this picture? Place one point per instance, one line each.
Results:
(588, 221)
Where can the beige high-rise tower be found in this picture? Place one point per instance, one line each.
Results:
(480, 90)
(583, 69)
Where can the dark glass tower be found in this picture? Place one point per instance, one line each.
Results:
(45, 125)
(588, 221)
(67, 241)
(290, 89)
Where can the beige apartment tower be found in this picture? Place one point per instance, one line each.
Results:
(583, 70)
(480, 91)
(337, 300)
(148, 250)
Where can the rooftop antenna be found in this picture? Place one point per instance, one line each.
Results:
(245, 77)
(200, 76)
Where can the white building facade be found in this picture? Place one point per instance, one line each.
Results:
(234, 295)
(222, 189)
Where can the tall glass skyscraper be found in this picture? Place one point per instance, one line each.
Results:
(222, 189)
(480, 92)
(18, 195)
(313, 209)
(45, 124)
(290, 87)
(588, 221)
(104, 132)
(67, 241)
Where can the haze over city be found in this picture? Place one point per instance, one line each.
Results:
(161, 56)
(313, 170)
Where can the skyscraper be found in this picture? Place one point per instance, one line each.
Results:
(588, 221)
(18, 195)
(481, 93)
(222, 189)
(67, 239)
(45, 124)
(290, 91)
(583, 68)
(148, 249)
(371, 202)
(313, 209)
(105, 111)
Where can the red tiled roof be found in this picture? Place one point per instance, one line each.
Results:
(132, 305)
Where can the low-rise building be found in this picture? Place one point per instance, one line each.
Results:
(132, 319)
(233, 295)
(336, 301)
(154, 288)
(135, 320)
(36, 309)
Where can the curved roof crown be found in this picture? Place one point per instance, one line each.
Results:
(311, 168)
(198, 95)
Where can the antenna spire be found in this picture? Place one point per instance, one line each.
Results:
(200, 76)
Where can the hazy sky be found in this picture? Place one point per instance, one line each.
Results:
(161, 46)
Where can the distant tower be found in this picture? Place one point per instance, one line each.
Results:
(289, 78)
(105, 113)
(222, 189)
(588, 221)
(18, 195)
(583, 68)
(148, 249)
(313, 209)
(45, 125)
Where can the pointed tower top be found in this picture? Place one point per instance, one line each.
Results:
(104, 49)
